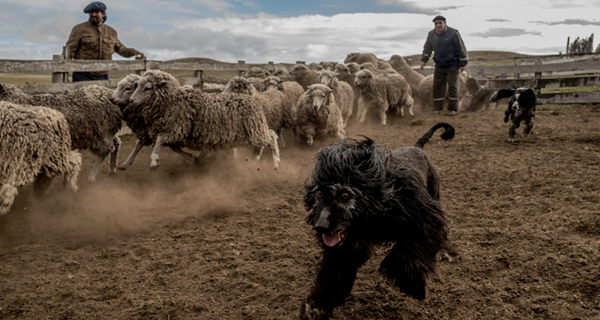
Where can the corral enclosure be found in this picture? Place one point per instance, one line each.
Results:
(226, 238)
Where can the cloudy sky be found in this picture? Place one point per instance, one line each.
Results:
(258, 31)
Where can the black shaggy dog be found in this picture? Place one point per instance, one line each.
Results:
(360, 195)
(521, 107)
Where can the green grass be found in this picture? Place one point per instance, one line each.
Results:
(571, 89)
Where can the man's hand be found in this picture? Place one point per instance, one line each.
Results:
(423, 65)
(137, 53)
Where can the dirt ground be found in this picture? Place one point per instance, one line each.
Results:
(226, 239)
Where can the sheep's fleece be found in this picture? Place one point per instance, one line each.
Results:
(36, 146)
(318, 114)
(179, 117)
(93, 119)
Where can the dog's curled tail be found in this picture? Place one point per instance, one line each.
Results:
(447, 135)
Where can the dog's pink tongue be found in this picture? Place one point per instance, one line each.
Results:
(332, 239)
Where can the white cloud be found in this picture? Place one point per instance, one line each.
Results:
(166, 30)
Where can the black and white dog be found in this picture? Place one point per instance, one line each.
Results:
(361, 194)
(521, 107)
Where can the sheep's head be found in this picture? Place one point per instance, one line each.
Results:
(256, 72)
(328, 65)
(341, 71)
(368, 66)
(327, 78)
(351, 57)
(272, 83)
(149, 83)
(398, 61)
(281, 72)
(125, 89)
(298, 71)
(384, 65)
(353, 67)
(239, 85)
(9, 93)
(320, 95)
(363, 77)
(314, 66)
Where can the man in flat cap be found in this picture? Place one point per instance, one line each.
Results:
(450, 59)
(94, 40)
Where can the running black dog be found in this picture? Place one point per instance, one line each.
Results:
(360, 195)
(521, 107)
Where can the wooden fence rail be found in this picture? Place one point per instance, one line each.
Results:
(531, 71)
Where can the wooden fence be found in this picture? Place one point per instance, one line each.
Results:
(551, 71)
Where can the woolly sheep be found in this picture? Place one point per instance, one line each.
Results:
(36, 146)
(343, 73)
(353, 67)
(93, 119)
(328, 65)
(135, 121)
(314, 66)
(200, 121)
(342, 91)
(292, 91)
(272, 102)
(361, 58)
(412, 77)
(467, 84)
(318, 114)
(283, 74)
(256, 72)
(303, 75)
(381, 92)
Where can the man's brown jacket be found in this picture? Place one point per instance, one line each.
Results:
(88, 41)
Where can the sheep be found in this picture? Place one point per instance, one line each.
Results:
(256, 72)
(283, 74)
(412, 77)
(343, 73)
(314, 66)
(467, 84)
(273, 103)
(36, 146)
(292, 91)
(200, 121)
(328, 65)
(342, 91)
(93, 119)
(303, 75)
(317, 113)
(353, 67)
(361, 58)
(369, 66)
(381, 92)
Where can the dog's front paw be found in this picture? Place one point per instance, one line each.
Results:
(309, 312)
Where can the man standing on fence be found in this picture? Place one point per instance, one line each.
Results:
(450, 59)
(94, 40)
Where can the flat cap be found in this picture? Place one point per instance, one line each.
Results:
(94, 7)
(439, 18)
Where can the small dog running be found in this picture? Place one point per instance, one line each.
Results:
(361, 194)
(521, 107)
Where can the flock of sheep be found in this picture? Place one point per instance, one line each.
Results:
(40, 135)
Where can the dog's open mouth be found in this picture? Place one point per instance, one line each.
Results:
(333, 239)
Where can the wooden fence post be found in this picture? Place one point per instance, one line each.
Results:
(271, 67)
(198, 74)
(241, 72)
(61, 77)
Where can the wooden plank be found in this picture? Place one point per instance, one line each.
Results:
(496, 84)
(590, 65)
(570, 97)
(50, 66)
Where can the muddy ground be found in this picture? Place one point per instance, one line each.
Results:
(227, 239)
